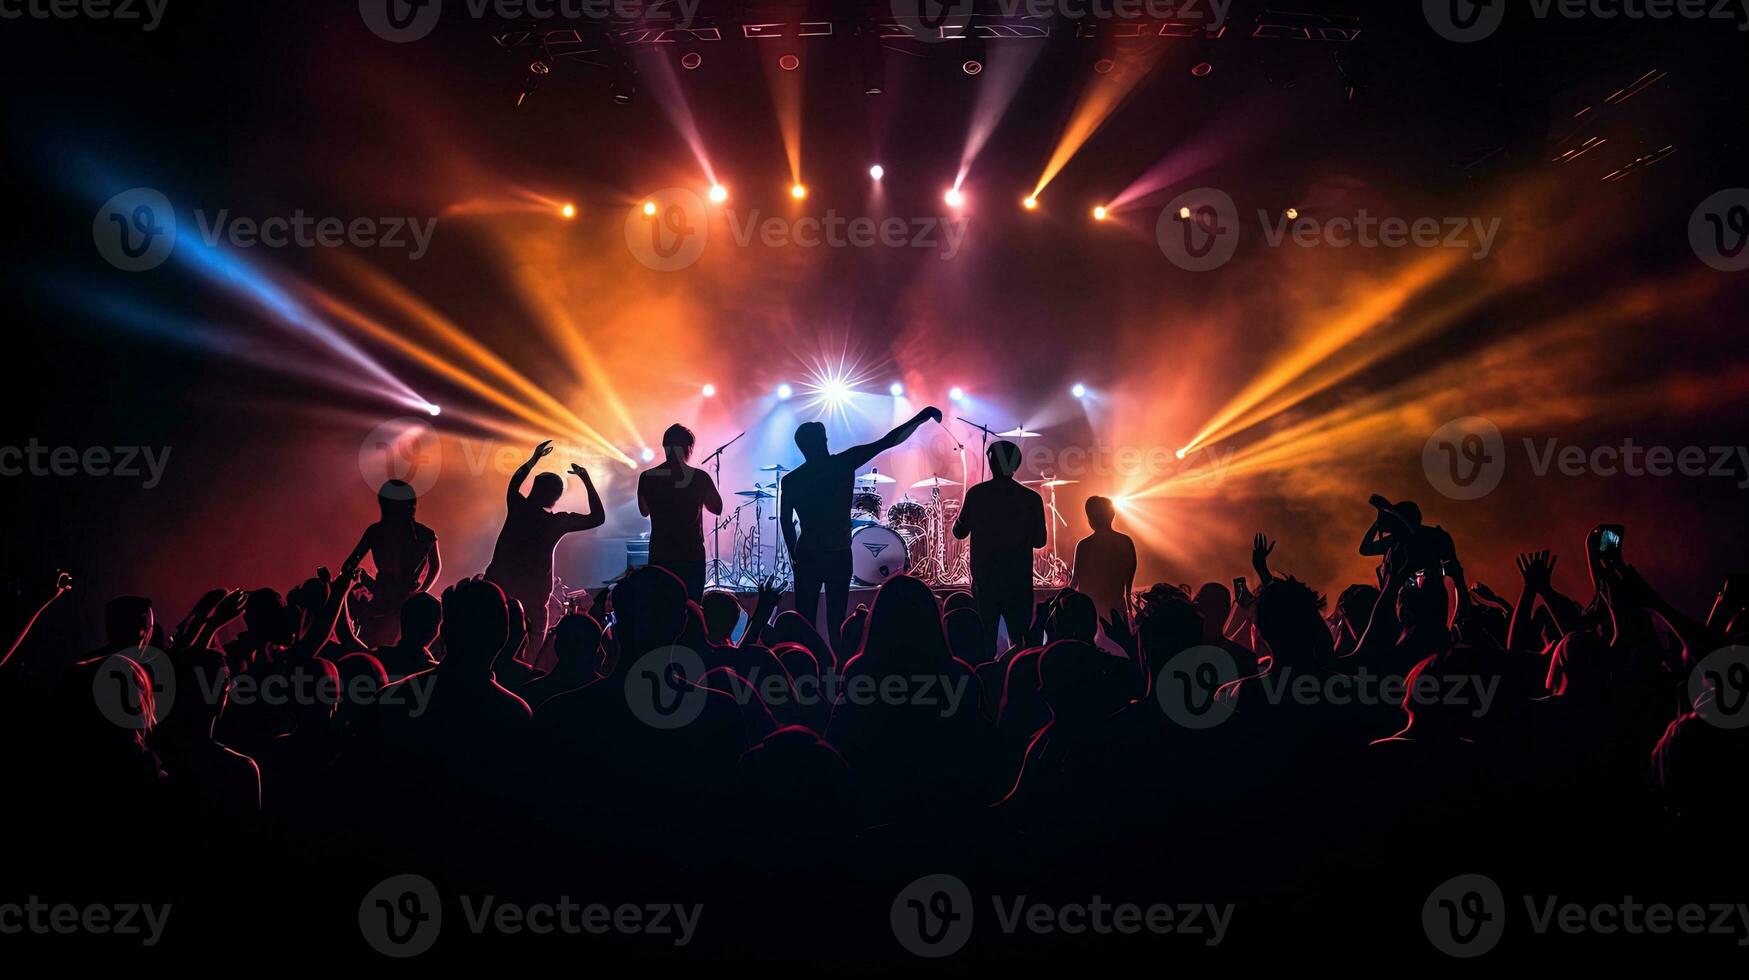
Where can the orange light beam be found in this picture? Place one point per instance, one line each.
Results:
(1099, 99)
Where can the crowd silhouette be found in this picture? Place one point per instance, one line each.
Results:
(1322, 766)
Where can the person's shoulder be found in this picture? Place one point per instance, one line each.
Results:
(424, 531)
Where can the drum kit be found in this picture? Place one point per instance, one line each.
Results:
(911, 535)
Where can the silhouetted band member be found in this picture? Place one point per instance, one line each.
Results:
(1105, 561)
(522, 561)
(1006, 522)
(818, 492)
(674, 496)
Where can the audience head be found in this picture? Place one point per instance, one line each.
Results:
(811, 440)
(577, 643)
(678, 441)
(128, 621)
(1290, 619)
(421, 617)
(1169, 623)
(721, 615)
(904, 629)
(476, 622)
(1215, 603)
(547, 489)
(1074, 617)
(1101, 512)
(966, 637)
(1355, 606)
(1079, 681)
(958, 599)
(650, 607)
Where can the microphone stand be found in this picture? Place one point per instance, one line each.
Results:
(983, 445)
(715, 461)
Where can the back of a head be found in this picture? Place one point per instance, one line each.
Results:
(678, 441)
(476, 622)
(577, 640)
(650, 611)
(958, 599)
(127, 621)
(397, 501)
(1409, 511)
(1076, 617)
(811, 440)
(904, 628)
(1291, 620)
(1004, 458)
(1357, 601)
(1171, 624)
(421, 618)
(1101, 512)
(721, 614)
(1214, 601)
(965, 635)
(547, 489)
(1075, 678)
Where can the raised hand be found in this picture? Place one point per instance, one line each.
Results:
(770, 593)
(1379, 502)
(1261, 549)
(1537, 569)
(581, 473)
(932, 413)
(541, 451)
(1116, 627)
(228, 608)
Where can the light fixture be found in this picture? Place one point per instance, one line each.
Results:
(798, 191)
(569, 211)
(784, 390)
(1079, 390)
(953, 197)
(1030, 202)
(957, 394)
(649, 209)
(877, 171)
(1099, 213)
(709, 391)
(895, 389)
(718, 194)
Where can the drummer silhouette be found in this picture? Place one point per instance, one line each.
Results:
(818, 493)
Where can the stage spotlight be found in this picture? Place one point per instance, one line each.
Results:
(1079, 390)
(649, 209)
(896, 389)
(691, 60)
(1181, 452)
(1293, 214)
(797, 191)
(877, 171)
(709, 391)
(1104, 66)
(531, 79)
(972, 67)
(718, 193)
(953, 197)
(1121, 503)
(569, 210)
(784, 391)
(1030, 203)
(789, 62)
(834, 392)
(1099, 213)
(1203, 69)
(647, 455)
(957, 394)
(433, 409)
(1184, 214)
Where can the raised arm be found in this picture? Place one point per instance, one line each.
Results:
(27, 616)
(859, 456)
(597, 515)
(513, 494)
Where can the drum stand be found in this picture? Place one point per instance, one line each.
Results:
(1051, 572)
(714, 571)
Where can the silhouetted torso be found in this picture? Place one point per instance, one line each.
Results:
(1005, 521)
(819, 490)
(676, 495)
(1105, 567)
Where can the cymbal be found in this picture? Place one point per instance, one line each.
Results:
(934, 481)
(774, 468)
(1058, 483)
(755, 494)
(874, 478)
(1020, 433)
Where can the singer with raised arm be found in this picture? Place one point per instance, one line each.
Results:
(522, 560)
(818, 493)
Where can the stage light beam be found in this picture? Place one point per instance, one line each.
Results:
(798, 191)
(709, 391)
(649, 209)
(954, 197)
(1079, 390)
(784, 391)
(568, 211)
(957, 394)
(896, 389)
(718, 193)
(1099, 212)
(877, 171)
(647, 455)
(1030, 203)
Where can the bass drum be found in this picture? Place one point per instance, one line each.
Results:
(877, 554)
